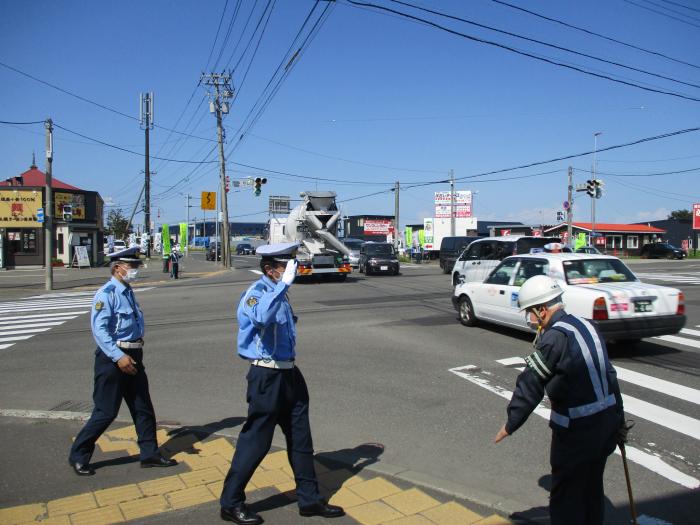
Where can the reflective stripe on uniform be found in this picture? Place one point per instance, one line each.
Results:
(536, 362)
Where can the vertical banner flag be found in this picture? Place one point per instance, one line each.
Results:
(696, 216)
(183, 235)
(166, 240)
(409, 236)
(428, 229)
(580, 241)
(421, 237)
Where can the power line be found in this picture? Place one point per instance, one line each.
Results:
(593, 33)
(363, 182)
(22, 123)
(661, 13)
(680, 5)
(657, 174)
(671, 10)
(547, 44)
(652, 160)
(524, 53)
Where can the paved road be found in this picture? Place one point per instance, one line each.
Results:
(377, 353)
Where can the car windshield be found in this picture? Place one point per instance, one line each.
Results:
(592, 271)
(667, 246)
(353, 245)
(379, 249)
(244, 246)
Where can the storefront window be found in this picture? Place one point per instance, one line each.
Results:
(613, 241)
(23, 241)
(632, 241)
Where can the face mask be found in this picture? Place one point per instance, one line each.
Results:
(131, 275)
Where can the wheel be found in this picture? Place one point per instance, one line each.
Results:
(367, 270)
(445, 268)
(360, 269)
(466, 312)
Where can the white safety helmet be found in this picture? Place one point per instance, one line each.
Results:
(538, 290)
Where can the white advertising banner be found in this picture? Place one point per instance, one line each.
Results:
(462, 204)
(378, 227)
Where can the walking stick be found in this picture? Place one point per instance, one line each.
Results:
(633, 511)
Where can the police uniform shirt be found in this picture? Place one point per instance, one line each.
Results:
(266, 322)
(116, 316)
(551, 368)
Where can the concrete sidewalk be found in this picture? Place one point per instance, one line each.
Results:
(43, 489)
(19, 283)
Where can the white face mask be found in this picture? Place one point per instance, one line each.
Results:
(131, 275)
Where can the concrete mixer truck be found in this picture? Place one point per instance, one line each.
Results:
(314, 224)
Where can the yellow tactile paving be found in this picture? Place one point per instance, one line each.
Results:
(369, 501)
(374, 489)
(70, 505)
(21, 513)
(190, 497)
(494, 519)
(117, 495)
(162, 485)
(101, 516)
(452, 513)
(268, 478)
(346, 499)
(201, 477)
(411, 501)
(373, 513)
(143, 507)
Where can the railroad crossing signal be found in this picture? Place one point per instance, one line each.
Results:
(257, 188)
(208, 200)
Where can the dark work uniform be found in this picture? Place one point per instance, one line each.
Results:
(174, 265)
(276, 395)
(571, 363)
(117, 319)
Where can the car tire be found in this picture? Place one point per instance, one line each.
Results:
(367, 270)
(466, 312)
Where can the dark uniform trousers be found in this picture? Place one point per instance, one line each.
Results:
(275, 397)
(578, 457)
(111, 386)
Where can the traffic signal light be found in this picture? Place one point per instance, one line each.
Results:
(598, 188)
(590, 187)
(257, 188)
(67, 212)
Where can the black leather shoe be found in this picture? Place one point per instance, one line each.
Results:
(158, 461)
(323, 509)
(82, 469)
(241, 514)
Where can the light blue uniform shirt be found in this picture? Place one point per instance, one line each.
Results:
(266, 322)
(116, 316)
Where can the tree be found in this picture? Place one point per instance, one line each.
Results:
(681, 215)
(117, 224)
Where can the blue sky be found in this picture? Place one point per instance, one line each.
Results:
(395, 99)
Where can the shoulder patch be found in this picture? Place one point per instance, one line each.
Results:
(99, 305)
(252, 301)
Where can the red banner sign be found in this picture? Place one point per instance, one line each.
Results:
(377, 227)
(696, 216)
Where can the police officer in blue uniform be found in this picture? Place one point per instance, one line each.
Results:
(118, 328)
(570, 363)
(277, 393)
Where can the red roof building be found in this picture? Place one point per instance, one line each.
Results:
(611, 238)
(35, 177)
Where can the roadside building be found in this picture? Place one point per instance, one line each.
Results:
(612, 239)
(22, 235)
(678, 231)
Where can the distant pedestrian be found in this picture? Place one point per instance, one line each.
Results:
(118, 328)
(277, 393)
(570, 363)
(174, 264)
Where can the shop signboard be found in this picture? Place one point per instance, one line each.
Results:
(462, 204)
(377, 227)
(696, 216)
(19, 208)
(75, 201)
(429, 229)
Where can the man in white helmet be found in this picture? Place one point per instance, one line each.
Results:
(571, 363)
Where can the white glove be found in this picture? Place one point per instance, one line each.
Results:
(290, 272)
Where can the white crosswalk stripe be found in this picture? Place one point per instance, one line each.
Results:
(679, 278)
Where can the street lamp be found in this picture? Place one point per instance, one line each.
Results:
(594, 169)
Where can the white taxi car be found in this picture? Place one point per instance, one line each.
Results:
(597, 287)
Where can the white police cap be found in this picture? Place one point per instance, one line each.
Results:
(130, 255)
(279, 252)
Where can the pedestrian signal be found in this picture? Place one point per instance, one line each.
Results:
(257, 187)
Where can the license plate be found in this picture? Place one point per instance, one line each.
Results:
(643, 306)
(383, 268)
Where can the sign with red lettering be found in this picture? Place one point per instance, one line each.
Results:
(377, 227)
(696, 216)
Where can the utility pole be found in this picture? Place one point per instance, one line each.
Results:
(49, 211)
(594, 170)
(397, 188)
(218, 104)
(570, 209)
(187, 205)
(452, 203)
(146, 123)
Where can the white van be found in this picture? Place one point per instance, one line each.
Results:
(483, 255)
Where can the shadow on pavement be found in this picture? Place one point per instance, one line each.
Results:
(183, 438)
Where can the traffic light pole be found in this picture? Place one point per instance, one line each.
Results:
(49, 211)
(570, 209)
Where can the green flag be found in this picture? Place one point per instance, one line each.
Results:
(183, 235)
(421, 237)
(580, 241)
(408, 232)
(166, 240)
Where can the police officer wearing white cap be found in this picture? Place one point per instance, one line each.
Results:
(277, 393)
(570, 363)
(118, 328)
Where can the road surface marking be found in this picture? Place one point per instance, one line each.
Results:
(511, 362)
(15, 338)
(18, 332)
(23, 324)
(687, 331)
(36, 319)
(649, 461)
(679, 340)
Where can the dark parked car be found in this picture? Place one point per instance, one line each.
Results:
(244, 248)
(213, 252)
(378, 257)
(662, 249)
(450, 249)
